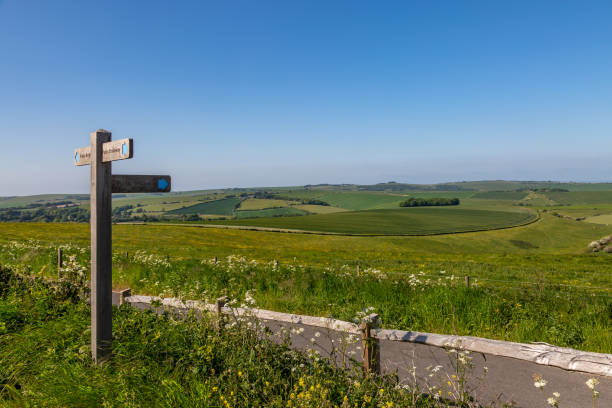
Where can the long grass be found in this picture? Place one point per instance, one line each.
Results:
(162, 361)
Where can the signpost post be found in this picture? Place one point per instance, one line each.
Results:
(99, 155)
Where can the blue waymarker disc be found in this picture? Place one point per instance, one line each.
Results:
(124, 149)
(76, 157)
(162, 184)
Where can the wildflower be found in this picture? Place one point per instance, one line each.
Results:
(317, 334)
(592, 382)
(539, 382)
(553, 401)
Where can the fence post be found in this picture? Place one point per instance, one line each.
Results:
(215, 260)
(370, 345)
(358, 270)
(219, 303)
(275, 264)
(123, 294)
(60, 260)
(467, 281)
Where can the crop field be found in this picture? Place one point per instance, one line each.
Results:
(270, 212)
(319, 209)
(262, 204)
(501, 195)
(404, 221)
(224, 206)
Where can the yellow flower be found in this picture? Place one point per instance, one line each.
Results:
(267, 384)
(215, 389)
(382, 390)
(389, 404)
(239, 373)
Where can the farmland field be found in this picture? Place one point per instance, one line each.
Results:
(404, 221)
(319, 209)
(501, 195)
(261, 204)
(270, 212)
(223, 206)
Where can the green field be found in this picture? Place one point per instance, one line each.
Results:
(501, 195)
(261, 204)
(582, 197)
(224, 206)
(270, 212)
(601, 219)
(319, 209)
(403, 221)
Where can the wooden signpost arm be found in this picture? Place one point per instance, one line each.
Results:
(101, 251)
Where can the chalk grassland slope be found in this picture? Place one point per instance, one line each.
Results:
(225, 206)
(601, 219)
(262, 204)
(270, 212)
(403, 221)
(581, 197)
(500, 195)
(503, 185)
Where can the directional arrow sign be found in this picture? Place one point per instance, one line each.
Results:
(111, 151)
(140, 184)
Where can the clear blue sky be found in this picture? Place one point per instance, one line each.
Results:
(260, 93)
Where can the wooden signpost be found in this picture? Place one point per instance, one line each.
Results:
(99, 155)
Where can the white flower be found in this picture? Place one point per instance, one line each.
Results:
(552, 401)
(539, 382)
(592, 382)
(556, 394)
(317, 334)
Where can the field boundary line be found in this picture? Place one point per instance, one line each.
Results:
(345, 234)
